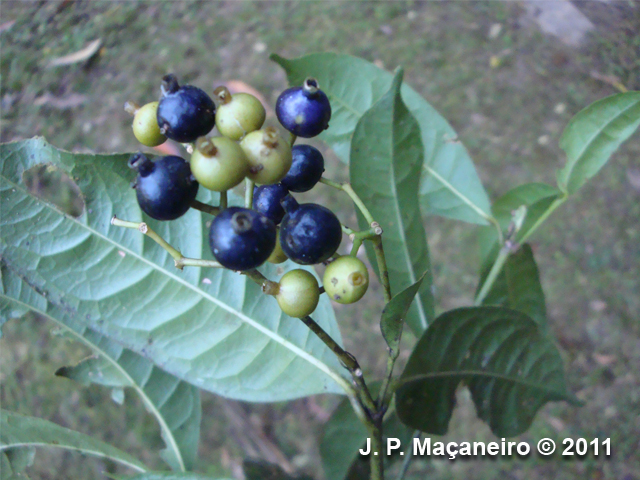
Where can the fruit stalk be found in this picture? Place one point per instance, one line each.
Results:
(348, 361)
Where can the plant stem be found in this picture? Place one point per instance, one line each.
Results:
(203, 207)
(292, 139)
(382, 267)
(347, 359)
(269, 287)
(248, 192)
(180, 261)
(407, 458)
(557, 202)
(377, 461)
(144, 228)
(223, 200)
(506, 249)
(493, 274)
(196, 262)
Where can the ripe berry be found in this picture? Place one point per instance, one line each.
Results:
(346, 279)
(266, 200)
(145, 126)
(298, 293)
(305, 111)
(165, 188)
(268, 154)
(239, 114)
(306, 170)
(218, 163)
(184, 113)
(277, 256)
(309, 233)
(241, 239)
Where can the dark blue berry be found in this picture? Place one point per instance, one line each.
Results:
(241, 239)
(306, 169)
(165, 188)
(266, 200)
(304, 111)
(309, 233)
(184, 113)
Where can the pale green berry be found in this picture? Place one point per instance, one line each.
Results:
(238, 114)
(277, 256)
(298, 293)
(346, 279)
(145, 124)
(269, 156)
(218, 163)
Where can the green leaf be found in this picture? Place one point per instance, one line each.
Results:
(509, 364)
(210, 327)
(21, 431)
(537, 197)
(394, 313)
(594, 134)
(175, 404)
(261, 470)
(450, 185)
(386, 157)
(518, 286)
(344, 435)
(13, 462)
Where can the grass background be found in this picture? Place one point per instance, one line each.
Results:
(509, 95)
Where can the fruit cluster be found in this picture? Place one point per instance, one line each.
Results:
(277, 227)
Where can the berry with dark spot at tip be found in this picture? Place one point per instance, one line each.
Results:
(266, 200)
(184, 112)
(305, 111)
(218, 163)
(241, 239)
(346, 279)
(269, 155)
(298, 293)
(309, 233)
(165, 188)
(307, 167)
(238, 114)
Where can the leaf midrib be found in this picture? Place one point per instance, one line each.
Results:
(7, 446)
(132, 383)
(587, 145)
(396, 205)
(285, 343)
(478, 373)
(426, 168)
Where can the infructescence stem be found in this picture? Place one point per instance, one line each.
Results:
(507, 248)
(179, 260)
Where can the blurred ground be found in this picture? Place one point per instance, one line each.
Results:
(507, 88)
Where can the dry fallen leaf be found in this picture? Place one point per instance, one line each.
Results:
(80, 56)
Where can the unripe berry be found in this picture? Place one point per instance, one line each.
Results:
(145, 126)
(269, 156)
(346, 279)
(298, 293)
(277, 256)
(218, 163)
(239, 114)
